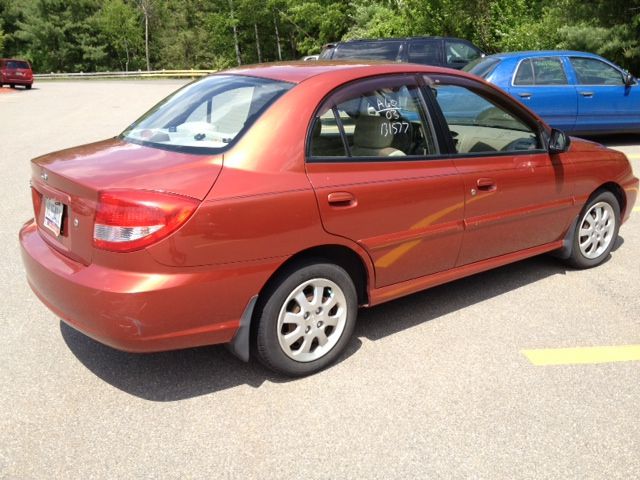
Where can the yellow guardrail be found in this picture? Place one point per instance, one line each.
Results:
(131, 74)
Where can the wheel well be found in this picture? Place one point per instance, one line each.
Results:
(336, 254)
(617, 192)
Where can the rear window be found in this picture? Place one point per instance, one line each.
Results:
(368, 50)
(15, 64)
(482, 67)
(206, 116)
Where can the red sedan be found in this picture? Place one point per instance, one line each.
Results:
(260, 207)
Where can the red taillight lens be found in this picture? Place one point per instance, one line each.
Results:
(128, 220)
(36, 198)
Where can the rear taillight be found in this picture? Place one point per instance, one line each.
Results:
(128, 220)
(36, 198)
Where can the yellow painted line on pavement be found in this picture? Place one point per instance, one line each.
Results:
(579, 355)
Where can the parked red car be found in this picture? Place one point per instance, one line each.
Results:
(260, 207)
(15, 72)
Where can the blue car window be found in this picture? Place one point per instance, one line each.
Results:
(591, 71)
(524, 75)
(540, 71)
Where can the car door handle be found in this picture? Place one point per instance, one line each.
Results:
(587, 94)
(341, 199)
(525, 95)
(486, 184)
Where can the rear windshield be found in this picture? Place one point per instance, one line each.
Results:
(13, 64)
(206, 116)
(482, 67)
(368, 50)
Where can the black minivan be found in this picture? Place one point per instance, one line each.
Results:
(439, 51)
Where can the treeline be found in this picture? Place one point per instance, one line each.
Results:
(101, 35)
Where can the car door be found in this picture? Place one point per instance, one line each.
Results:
(516, 196)
(541, 83)
(379, 180)
(604, 101)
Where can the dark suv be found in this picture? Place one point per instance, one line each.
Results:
(439, 51)
(15, 72)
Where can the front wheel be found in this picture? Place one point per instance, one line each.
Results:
(596, 231)
(307, 319)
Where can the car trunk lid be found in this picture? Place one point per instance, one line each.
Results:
(73, 178)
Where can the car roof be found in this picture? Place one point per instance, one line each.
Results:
(299, 71)
(398, 39)
(542, 53)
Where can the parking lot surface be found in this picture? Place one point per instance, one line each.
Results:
(435, 385)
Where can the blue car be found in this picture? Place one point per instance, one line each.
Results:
(577, 92)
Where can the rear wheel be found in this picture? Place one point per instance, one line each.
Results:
(307, 319)
(28, 87)
(596, 231)
(12, 85)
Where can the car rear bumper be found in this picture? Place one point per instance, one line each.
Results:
(17, 81)
(140, 312)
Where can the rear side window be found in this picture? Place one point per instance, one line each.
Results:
(591, 71)
(15, 64)
(425, 52)
(381, 118)
(206, 116)
(368, 50)
(540, 71)
(458, 54)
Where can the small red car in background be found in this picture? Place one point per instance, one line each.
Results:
(260, 207)
(15, 72)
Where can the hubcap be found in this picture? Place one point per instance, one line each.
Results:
(596, 230)
(312, 320)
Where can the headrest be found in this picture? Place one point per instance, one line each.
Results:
(371, 132)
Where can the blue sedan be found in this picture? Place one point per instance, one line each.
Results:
(577, 92)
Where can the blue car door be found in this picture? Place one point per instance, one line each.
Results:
(605, 103)
(541, 83)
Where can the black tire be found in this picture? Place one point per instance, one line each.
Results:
(28, 87)
(12, 85)
(267, 336)
(578, 258)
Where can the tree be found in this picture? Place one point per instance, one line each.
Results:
(119, 24)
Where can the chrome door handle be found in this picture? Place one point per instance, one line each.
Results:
(587, 94)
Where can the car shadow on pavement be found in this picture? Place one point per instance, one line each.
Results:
(183, 374)
(175, 375)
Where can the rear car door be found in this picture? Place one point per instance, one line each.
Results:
(541, 83)
(604, 101)
(515, 193)
(379, 179)
(427, 51)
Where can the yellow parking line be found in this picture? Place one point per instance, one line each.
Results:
(572, 356)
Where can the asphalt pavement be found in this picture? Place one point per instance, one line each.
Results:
(435, 385)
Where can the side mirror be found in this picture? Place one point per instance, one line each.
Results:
(558, 141)
(628, 79)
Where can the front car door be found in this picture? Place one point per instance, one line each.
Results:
(604, 101)
(374, 164)
(516, 196)
(541, 83)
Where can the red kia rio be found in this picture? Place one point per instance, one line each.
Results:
(261, 207)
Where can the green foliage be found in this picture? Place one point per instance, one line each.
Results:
(88, 35)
